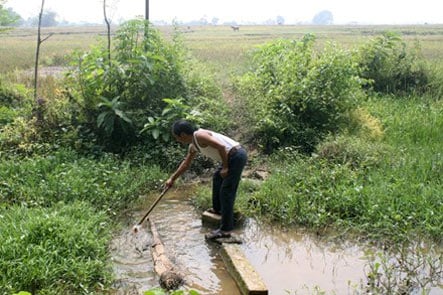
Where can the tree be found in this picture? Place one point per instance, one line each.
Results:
(108, 27)
(47, 19)
(280, 20)
(37, 55)
(7, 16)
(323, 18)
(215, 21)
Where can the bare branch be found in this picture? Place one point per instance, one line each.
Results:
(47, 37)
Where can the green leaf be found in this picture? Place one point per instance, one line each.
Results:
(155, 133)
(154, 292)
(101, 119)
(123, 116)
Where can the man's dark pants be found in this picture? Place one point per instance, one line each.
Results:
(224, 190)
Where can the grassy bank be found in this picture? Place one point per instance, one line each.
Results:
(58, 213)
(388, 190)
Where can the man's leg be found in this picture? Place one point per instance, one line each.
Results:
(217, 181)
(229, 188)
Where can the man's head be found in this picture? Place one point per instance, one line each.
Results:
(183, 131)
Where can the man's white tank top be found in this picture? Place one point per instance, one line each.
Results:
(211, 152)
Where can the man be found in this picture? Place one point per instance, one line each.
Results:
(232, 158)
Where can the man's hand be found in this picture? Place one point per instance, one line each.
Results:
(224, 172)
(169, 183)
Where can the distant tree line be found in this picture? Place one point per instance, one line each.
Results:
(8, 17)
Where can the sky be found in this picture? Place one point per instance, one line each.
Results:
(241, 11)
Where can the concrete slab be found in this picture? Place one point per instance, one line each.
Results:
(248, 280)
(212, 219)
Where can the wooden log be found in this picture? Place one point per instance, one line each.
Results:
(170, 278)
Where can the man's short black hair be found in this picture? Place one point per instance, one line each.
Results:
(183, 126)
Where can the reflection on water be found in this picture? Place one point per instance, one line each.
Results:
(289, 262)
(294, 261)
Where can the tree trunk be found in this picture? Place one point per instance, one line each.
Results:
(39, 103)
(108, 27)
(147, 10)
(37, 51)
(170, 278)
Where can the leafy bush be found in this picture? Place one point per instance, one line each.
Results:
(117, 95)
(13, 102)
(365, 125)
(12, 96)
(391, 67)
(55, 250)
(435, 86)
(7, 115)
(295, 95)
(147, 84)
(21, 137)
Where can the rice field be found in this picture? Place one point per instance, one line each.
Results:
(217, 45)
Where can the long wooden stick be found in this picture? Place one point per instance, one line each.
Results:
(153, 205)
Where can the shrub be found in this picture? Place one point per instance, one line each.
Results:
(365, 125)
(391, 67)
(296, 95)
(13, 102)
(55, 250)
(7, 115)
(12, 96)
(146, 85)
(22, 137)
(116, 96)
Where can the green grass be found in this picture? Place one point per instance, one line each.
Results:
(107, 183)
(56, 250)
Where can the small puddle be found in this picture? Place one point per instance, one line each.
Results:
(289, 262)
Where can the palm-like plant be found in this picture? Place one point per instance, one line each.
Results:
(112, 117)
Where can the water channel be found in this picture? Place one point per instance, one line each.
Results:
(289, 262)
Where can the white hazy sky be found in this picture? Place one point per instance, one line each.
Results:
(293, 11)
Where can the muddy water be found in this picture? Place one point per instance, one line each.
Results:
(289, 262)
